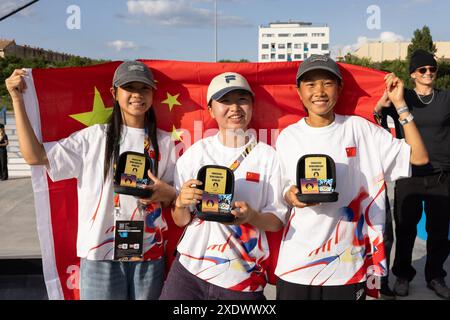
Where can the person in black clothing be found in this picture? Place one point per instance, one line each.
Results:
(381, 116)
(428, 185)
(3, 154)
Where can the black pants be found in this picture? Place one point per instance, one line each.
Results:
(292, 291)
(409, 195)
(3, 163)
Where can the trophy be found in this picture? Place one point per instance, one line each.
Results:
(316, 179)
(131, 176)
(218, 190)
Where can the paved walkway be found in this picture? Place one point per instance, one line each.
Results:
(19, 240)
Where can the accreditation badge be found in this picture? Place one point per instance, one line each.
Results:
(128, 240)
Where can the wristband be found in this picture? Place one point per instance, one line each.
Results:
(402, 110)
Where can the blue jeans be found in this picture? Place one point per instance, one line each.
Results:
(115, 280)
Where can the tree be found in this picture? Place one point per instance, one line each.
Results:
(229, 61)
(422, 39)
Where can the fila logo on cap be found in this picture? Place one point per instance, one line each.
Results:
(229, 78)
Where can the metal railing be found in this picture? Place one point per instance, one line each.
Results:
(3, 115)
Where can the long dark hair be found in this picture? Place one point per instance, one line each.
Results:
(114, 133)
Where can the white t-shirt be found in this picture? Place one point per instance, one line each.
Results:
(232, 257)
(337, 243)
(81, 156)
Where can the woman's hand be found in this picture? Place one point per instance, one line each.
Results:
(292, 200)
(161, 191)
(15, 84)
(189, 194)
(243, 213)
(395, 89)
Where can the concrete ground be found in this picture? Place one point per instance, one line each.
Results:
(20, 251)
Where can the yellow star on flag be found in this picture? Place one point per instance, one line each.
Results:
(172, 101)
(176, 134)
(99, 114)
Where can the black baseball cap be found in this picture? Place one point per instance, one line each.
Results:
(318, 62)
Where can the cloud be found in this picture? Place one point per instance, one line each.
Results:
(120, 45)
(182, 13)
(386, 36)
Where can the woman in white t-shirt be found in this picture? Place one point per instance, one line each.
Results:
(217, 260)
(90, 155)
(328, 249)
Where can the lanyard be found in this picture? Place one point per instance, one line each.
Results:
(243, 155)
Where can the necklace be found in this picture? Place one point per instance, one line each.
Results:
(420, 98)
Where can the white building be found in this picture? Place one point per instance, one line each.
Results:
(292, 41)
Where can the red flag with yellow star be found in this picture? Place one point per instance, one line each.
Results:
(62, 101)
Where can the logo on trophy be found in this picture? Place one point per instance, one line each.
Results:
(316, 179)
(218, 191)
(131, 176)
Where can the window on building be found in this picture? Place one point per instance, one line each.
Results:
(272, 56)
(289, 57)
(282, 56)
(289, 45)
(325, 46)
(314, 46)
(300, 34)
(281, 46)
(265, 46)
(297, 56)
(306, 46)
(267, 35)
(305, 56)
(318, 35)
(297, 46)
(264, 57)
(284, 35)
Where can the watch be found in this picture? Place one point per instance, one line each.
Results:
(408, 119)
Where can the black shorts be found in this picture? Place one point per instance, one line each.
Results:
(293, 291)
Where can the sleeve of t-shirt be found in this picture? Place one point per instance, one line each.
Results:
(274, 198)
(394, 154)
(65, 157)
(167, 175)
(286, 183)
(183, 172)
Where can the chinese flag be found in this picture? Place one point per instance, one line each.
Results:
(62, 101)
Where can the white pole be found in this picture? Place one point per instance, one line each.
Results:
(215, 30)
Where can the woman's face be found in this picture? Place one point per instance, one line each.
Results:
(135, 99)
(319, 91)
(426, 78)
(233, 111)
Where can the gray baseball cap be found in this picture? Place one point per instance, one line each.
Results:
(131, 71)
(318, 62)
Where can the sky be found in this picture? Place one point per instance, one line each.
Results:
(184, 29)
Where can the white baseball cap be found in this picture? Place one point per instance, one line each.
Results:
(224, 83)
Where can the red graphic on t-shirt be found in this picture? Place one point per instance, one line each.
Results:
(252, 176)
(351, 152)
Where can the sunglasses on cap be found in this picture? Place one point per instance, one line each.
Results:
(423, 70)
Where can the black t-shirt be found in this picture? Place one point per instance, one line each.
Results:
(5, 138)
(433, 122)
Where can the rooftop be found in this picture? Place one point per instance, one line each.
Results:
(293, 24)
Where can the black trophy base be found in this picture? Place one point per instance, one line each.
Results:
(318, 197)
(216, 216)
(132, 191)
